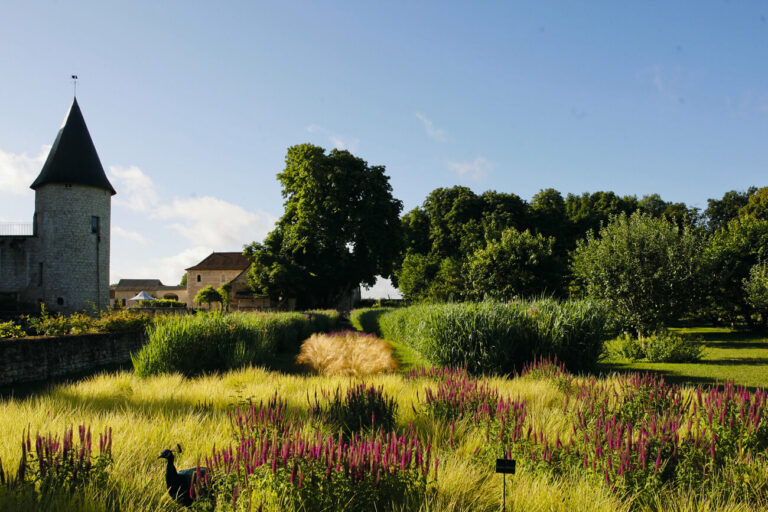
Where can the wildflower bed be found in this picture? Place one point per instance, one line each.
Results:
(422, 440)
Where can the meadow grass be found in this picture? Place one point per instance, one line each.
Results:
(728, 355)
(150, 414)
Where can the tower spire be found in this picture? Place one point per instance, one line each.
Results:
(74, 83)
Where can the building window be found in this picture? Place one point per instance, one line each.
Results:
(123, 302)
(95, 225)
(198, 278)
(60, 301)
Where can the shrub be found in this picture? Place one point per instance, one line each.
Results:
(346, 353)
(664, 347)
(756, 290)
(124, 320)
(661, 347)
(324, 320)
(161, 303)
(495, 337)
(11, 330)
(361, 407)
(215, 341)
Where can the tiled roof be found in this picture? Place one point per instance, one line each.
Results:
(73, 158)
(143, 284)
(223, 261)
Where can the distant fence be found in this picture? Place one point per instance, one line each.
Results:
(16, 229)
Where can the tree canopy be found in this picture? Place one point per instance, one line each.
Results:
(341, 227)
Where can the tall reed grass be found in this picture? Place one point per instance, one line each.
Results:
(494, 337)
(217, 341)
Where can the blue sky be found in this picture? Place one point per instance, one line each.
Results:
(192, 105)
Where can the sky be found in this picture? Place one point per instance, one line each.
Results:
(192, 105)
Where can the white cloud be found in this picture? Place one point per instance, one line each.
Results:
(476, 170)
(429, 127)
(215, 222)
(19, 170)
(137, 191)
(338, 141)
(130, 235)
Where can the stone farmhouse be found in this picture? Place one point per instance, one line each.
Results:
(215, 270)
(62, 257)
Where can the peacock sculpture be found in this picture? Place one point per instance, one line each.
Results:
(180, 484)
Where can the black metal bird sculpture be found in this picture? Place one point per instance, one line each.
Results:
(181, 484)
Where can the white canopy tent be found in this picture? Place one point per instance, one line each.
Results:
(142, 295)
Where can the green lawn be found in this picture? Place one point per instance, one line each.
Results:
(728, 355)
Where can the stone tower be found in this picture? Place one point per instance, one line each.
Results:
(72, 222)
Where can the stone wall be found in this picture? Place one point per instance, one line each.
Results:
(39, 359)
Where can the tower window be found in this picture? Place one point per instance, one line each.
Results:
(198, 278)
(95, 225)
(60, 301)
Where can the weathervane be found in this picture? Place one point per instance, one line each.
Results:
(74, 81)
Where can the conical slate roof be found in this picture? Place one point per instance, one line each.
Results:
(73, 159)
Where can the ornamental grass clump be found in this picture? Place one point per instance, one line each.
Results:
(278, 463)
(496, 337)
(361, 407)
(216, 341)
(346, 353)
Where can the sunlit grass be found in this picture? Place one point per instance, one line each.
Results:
(150, 414)
(728, 355)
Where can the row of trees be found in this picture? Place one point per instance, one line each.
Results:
(342, 227)
(459, 245)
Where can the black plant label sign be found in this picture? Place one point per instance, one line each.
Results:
(506, 466)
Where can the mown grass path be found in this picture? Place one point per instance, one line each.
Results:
(728, 355)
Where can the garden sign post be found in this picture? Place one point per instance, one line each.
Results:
(505, 466)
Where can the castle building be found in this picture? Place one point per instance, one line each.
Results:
(64, 261)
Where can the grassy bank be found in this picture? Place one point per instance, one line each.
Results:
(728, 355)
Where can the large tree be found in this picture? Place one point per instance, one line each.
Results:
(647, 269)
(341, 228)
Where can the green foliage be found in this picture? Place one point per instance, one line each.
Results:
(123, 320)
(225, 292)
(730, 254)
(755, 288)
(720, 212)
(340, 228)
(161, 303)
(367, 319)
(53, 470)
(214, 341)
(11, 330)
(183, 280)
(492, 337)
(660, 347)
(207, 295)
(757, 205)
(646, 269)
(323, 320)
(518, 264)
